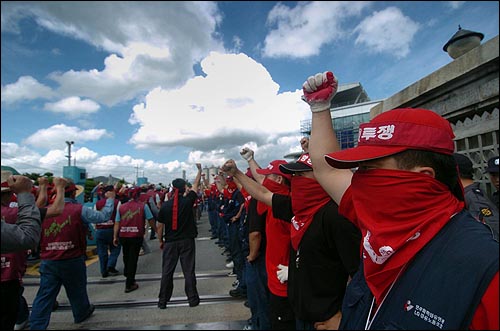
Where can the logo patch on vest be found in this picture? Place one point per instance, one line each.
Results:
(424, 314)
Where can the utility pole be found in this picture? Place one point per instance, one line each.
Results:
(69, 143)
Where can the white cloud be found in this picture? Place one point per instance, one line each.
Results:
(302, 31)
(57, 135)
(73, 106)
(25, 88)
(455, 4)
(236, 102)
(388, 31)
(143, 56)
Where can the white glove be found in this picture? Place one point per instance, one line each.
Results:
(282, 273)
(246, 153)
(319, 91)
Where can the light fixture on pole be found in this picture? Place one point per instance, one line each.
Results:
(69, 143)
(462, 42)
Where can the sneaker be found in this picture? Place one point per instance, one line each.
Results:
(23, 325)
(230, 265)
(231, 274)
(89, 313)
(236, 283)
(141, 252)
(113, 272)
(134, 287)
(247, 327)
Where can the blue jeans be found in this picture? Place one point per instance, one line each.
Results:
(212, 218)
(258, 293)
(104, 241)
(72, 274)
(235, 249)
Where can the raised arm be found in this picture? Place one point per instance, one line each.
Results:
(248, 155)
(57, 207)
(196, 183)
(256, 190)
(318, 93)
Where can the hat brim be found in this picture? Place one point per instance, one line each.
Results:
(491, 171)
(6, 189)
(79, 190)
(293, 167)
(350, 158)
(264, 171)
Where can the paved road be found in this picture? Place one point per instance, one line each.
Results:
(116, 310)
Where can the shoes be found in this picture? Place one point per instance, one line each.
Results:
(23, 325)
(89, 313)
(55, 305)
(113, 272)
(213, 237)
(162, 305)
(247, 327)
(237, 293)
(236, 283)
(152, 238)
(105, 274)
(194, 303)
(230, 265)
(217, 242)
(141, 252)
(231, 274)
(134, 287)
(229, 259)
(246, 304)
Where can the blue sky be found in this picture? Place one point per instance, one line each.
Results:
(159, 86)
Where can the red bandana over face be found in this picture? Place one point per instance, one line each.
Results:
(398, 213)
(307, 198)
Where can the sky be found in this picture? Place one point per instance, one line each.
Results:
(148, 89)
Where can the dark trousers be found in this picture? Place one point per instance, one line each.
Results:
(235, 250)
(185, 250)
(130, 250)
(282, 316)
(258, 293)
(10, 303)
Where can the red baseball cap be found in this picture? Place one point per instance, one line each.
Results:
(274, 168)
(395, 131)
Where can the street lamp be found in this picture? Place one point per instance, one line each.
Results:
(69, 143)
(462, 42)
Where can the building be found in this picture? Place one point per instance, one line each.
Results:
(465, 92)
(349, 108)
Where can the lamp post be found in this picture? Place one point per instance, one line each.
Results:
(69, 143)
(462, 42)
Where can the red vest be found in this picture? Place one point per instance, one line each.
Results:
(132, 219)
(99, 205)
(13, 264)
(64, 236)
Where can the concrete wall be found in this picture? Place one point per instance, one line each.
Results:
(465, 92)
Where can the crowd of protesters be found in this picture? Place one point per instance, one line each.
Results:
(383, 235)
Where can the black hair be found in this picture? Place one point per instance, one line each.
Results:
(444, 166)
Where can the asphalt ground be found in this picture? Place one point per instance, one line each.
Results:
(116, 310)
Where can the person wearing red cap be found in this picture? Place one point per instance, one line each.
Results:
(325, 246)
(177, 219)
(427, 263)
(63, 252)
(272, 180)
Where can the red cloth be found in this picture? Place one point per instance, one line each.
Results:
(486, 315)
(175, 207)
(398, 213)
(307, 198)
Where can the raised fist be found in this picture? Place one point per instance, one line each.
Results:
(247, 153)
(319, 91)
(230, 167)
(19, 184)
